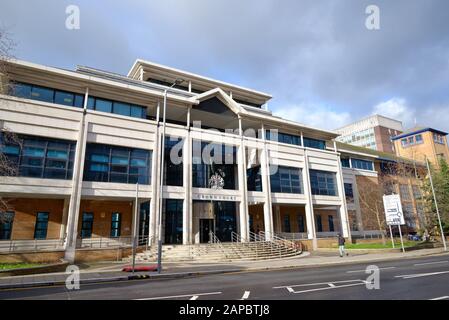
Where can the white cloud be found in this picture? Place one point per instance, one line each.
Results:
(314, 116)
(398, 109)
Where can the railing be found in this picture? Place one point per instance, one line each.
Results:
(292, 235)
(31, 245)
(213, 239)
(284, 243)
(370, 234)
(112, 243)
(326, 234)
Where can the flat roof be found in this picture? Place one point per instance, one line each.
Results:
(417, 130)
(152, 66)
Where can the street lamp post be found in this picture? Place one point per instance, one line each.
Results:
(436, 205)
(159, 242)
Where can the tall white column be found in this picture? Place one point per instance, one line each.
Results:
(187, 182)
(65, 215)
(155, 170)
(243, 212)
(266, 188)
(342, 209)
(310, 216)
(77, 183)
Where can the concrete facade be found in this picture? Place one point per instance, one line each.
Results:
(70, 198)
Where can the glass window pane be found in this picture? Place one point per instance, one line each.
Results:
(103, 105)
(138, 112)
(119, 160)
(65, 98)
(10, 150)
(32, 151)
(122, 108)
(60, 154)
(79, 101)
(42, 94)
(99, 158)
(91, 103)
(22, 90)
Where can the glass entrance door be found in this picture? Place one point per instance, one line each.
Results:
(206, 226)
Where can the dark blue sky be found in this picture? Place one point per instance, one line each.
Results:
(318, 60)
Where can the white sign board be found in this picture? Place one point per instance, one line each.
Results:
(393, 210)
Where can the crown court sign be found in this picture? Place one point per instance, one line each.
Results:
(393, 210)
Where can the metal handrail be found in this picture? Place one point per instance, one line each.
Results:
(285, 242)
(31, 245)
(213, 239)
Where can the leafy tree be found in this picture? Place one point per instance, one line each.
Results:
(440, 177)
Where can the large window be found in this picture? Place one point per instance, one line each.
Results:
(173, 221)
(323, 183)
(362, 164)
(319, 224)
(345, 163)
(301, 223)
(117, 164)
(173, 171)
(116, 222)
(87, 224)
(40, 157)
(286, 180)
(6, 221)
(330, 220)
(286, 224)
(40, 229)
(405, 192)
(417, 194)
(254, 179)
(283, 137)
(222, 161)
(314, 143)
(117, 107)
(349, 192)
(30, 91)
(438, 138)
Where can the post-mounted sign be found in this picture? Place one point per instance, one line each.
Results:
(393, 210)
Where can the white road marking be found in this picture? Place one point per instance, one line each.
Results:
(441, 298)
(245, 295)
(356, 271)
(314, 284)
(329, 285)
(419, 275)
(429, 263)
(194, 298)
(182, 296)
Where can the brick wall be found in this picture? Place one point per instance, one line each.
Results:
(102, 211)
(25, 217)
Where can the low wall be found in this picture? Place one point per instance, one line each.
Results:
(307, 245)
(81, 255)
(32, 257)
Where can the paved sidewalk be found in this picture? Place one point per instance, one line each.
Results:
(106, 272)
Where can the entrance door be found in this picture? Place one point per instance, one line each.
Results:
(206, 226)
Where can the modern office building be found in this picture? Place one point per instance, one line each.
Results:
(87, 150)
(374, 132)
(368, 175)
(420, 143)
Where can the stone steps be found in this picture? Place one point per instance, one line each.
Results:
(218, 252)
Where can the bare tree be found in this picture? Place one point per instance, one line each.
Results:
(370, 198)
(7, 46)
(7, 167)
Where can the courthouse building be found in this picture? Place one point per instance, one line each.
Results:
(87, 147)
